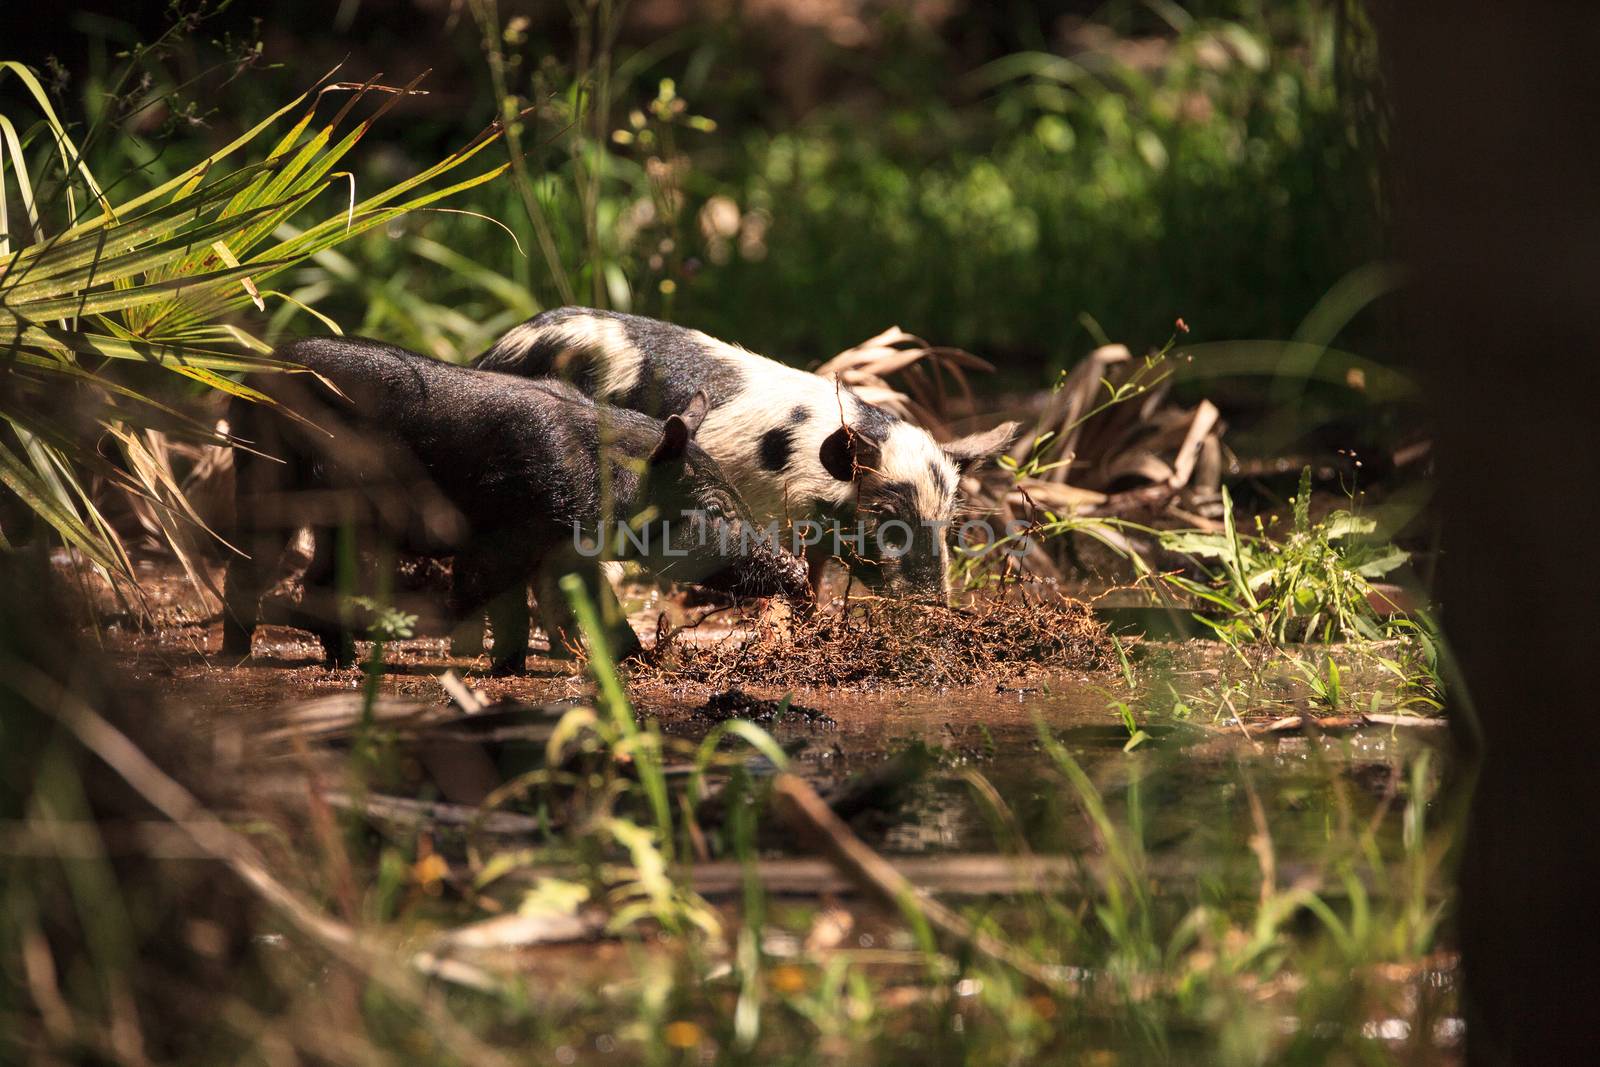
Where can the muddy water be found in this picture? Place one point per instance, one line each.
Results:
(1188, 796)
(1186, 793)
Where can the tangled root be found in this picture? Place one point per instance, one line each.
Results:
(870, 643)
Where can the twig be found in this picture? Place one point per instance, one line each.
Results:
(1406, 720)
(805, 812)
(468, 700)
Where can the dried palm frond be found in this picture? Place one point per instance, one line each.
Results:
(1111, 420)
(1107, 443)
(930, 377)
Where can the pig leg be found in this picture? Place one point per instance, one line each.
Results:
(321, 609)
(489, 580)
(508, 614)
(561, 626)
(246, 580)
(262, 543)
(466, 636)
(817, 559)
(555, 614)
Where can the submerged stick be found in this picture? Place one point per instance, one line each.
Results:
(799, 806)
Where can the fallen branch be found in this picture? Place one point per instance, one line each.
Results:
(799, 807)
(1343, 724)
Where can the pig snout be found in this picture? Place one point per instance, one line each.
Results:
(763, 568)
(922, 572)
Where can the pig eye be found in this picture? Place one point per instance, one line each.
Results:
(719, 508)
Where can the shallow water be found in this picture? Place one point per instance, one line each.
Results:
(1206, 804)
(1185, 791)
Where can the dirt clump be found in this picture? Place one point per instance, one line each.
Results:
(737, 704)
(872, 643)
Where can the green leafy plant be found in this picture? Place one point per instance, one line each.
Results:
(1314, 584)
(1325, 683)
(96, 293)
(1136, 734)
(386, 622)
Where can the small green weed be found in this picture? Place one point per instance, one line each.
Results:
(1315, 584)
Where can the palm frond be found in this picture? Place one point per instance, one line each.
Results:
(93, 294)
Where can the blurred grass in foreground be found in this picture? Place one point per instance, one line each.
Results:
(161, 908)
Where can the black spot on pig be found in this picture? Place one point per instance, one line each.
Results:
(776, 445)
(799, 415)
(872, 422)
(677, 363)
(544, 355)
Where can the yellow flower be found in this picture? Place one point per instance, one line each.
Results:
(429, 871)
(683, 1034)
(787, 978)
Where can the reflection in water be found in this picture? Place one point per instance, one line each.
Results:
(1185, 791)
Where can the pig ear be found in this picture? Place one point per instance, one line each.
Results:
(969, 452)
(674, 443)
(694, 412)
(844, 450)
(678, 430)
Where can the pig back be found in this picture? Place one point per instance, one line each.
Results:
(507, 453)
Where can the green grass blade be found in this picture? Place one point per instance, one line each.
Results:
(33, 490)
(181, 183)
(54, 277)
(114, 300)
(172, 356)
(71, 158)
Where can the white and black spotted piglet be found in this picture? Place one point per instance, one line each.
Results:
(796, 445)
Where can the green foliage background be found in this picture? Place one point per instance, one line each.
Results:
(1018, 181)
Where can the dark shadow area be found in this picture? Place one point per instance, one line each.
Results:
(1495, 112)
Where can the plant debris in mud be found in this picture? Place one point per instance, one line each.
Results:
(865, 643)
(737, 704)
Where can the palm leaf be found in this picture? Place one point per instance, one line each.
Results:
(35, 491)
(156, 280)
